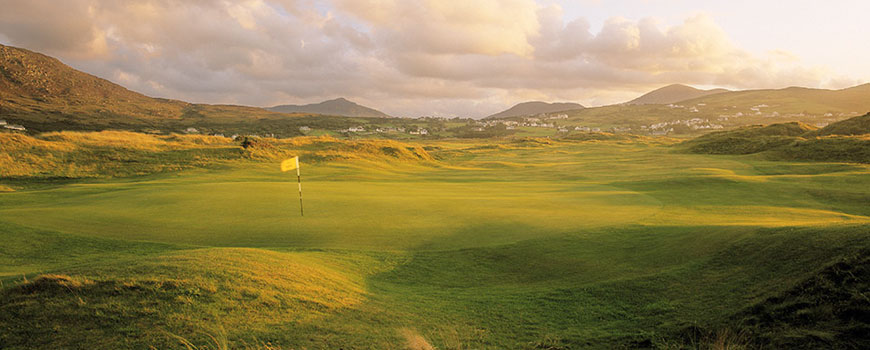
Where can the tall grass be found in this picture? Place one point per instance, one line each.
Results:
(121, 153)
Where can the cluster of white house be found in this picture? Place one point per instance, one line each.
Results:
(694, 124)
(361, 129)
(692, 109)
(537, 121)
(534, 122)
(16, 127)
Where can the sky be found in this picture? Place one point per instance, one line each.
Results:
(468, 58)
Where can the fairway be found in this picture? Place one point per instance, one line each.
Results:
(583, 243)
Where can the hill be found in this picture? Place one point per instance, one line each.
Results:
(31, 82)
(852, 126)
(796, 100)
(339, 107)
(728, 110)
(672, 94)
(845, 141)
(747, 140)
(535, 107)
(44, 94)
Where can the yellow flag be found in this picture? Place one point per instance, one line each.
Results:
(290, 164)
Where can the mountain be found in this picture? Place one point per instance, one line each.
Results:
(31, 81)
(535, 107)
(44, 94)
(672, 94)
(338, 107)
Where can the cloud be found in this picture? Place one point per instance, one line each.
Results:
(407, 57)
(61, 26)
(486, 27)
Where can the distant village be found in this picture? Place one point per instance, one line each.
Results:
(559, 122)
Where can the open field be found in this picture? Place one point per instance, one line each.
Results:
(451, 244)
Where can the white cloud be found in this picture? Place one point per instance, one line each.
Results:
(407, 57)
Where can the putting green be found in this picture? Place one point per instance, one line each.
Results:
(339, 214)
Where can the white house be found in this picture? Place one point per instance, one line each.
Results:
(15, 127)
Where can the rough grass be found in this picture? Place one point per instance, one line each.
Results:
(844, 141)
(852, 126)
(121, 153)
(830, 309)
(752, 139)
(244, 291)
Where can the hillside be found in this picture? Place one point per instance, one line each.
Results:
(33, 82)
(844, 141)
(747, 140)
(797, 100)
(728, 110)
(672, 94)
(44, 94)
(339, 107)
(535, 107)
(852, 126)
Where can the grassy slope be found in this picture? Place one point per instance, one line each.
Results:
(847, 141)
(547, 244)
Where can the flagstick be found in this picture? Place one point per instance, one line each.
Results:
(299, 180)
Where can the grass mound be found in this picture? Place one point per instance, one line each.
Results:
(752, 139)
(829, 310)
(852, 126)
(326, 148)
(122, 153)
(845, 141)
(853, 149)
(240, 292)
(107, 154)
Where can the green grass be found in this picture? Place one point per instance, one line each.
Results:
(526, 244)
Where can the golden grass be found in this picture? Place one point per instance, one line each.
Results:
(121, 153)
(270, 278)
(415, 341)
(209, 296)
(755, 215)
(53, 282)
